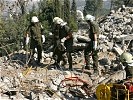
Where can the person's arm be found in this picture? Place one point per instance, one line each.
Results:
(95, 36)
(42, 32)
(27, 35)
(95, 41)
(69, 34)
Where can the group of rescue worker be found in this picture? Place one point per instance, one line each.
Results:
(63, 42)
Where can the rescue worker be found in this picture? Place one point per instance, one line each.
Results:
(35, 34)
(127, 61)
(122, 9)
(63, 41)
(91, 49)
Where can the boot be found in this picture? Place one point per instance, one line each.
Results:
(70, 68)
(56, 65)
(87, 67)
(39, 63)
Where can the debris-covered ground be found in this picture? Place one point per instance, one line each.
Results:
(20, 81)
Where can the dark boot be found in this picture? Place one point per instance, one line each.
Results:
(71, 69)
(69, 60)
(39, 63)
(87, 67)
(56, 65)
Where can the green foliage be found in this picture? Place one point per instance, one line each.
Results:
(2, 29)
(46, 13)
(73, 19)
(89, 7)
(67, 11)
(57, 8)
(93, 7)
(12, 30)
(73, 10)
(62, 11)
(73, 25)
(12, 38)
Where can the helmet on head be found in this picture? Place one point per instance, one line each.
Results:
(126, 57)
(89, 17)
(59, 21)
(34, 19)
(55, 19)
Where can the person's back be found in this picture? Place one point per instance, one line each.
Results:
(64, 32)
(36, 32)
(94, 29)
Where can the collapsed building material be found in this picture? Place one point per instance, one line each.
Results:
(119, 75)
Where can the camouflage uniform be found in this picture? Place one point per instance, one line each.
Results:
(89, 51)
(59, 50)
(35, 33)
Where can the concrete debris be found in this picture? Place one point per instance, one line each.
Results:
(21, 81)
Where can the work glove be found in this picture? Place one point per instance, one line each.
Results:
(43, 38)
(27, 40)
(63, 24)
(63, 40)
(62, 47)
(94, 45)
(130, 64)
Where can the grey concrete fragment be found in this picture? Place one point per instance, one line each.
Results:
(118, 49)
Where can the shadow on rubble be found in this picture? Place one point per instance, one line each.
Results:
(25, 60)
(55, 67)
(82, 70)
(19, 58)
(63, 68)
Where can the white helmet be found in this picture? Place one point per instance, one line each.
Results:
(55, 19)
(89, 17)
(126, 57)
(59, 21)
(34, 19)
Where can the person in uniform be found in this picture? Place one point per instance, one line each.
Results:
(63, 41)
(127, 60)
(35, 34)
(91, 49)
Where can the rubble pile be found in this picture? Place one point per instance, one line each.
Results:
(118, 22)
(21, 82)
(118, 28)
